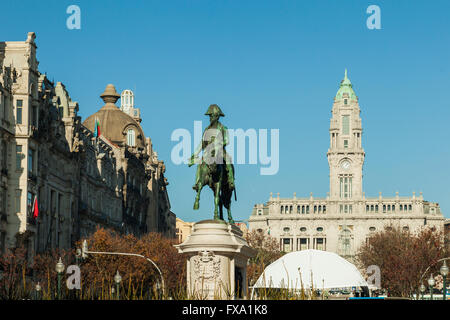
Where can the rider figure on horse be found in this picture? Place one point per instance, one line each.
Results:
(215, 168)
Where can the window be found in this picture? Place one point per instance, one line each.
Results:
(315, 209)
(298, 209)
(286, 245)
(34, 116)
(345, 101)
(303, 229)
(286, 229)
(372, 229)
(30, 199)
(367, 208)
(405, 228)
(18, 195)
(384, 208)
(345, 242)
(345, 144)
(345, 186)
(19, 107)
(324, 209)
(319, 229)
(290, 209)
(4, 153)
(18, 157)
(2, 242)
(30, 160)
(320, 244)
(131, 138)
(401, 207)
(410, 207)
(3, 204)
(303, 243)
(307, 209)
(259, 212)
(376, 208)
(303, 209)
(281, 209)
(346, 124)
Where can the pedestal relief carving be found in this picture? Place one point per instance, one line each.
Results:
(206, 275)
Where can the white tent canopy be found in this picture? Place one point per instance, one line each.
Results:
(326, 270)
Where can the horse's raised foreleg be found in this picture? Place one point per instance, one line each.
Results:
(197, 197)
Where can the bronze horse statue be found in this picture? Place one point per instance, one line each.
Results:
(215, 169)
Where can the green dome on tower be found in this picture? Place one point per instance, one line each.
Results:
(346, 87)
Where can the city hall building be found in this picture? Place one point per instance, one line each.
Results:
(346, 218)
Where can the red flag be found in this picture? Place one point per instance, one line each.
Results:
(35, 208)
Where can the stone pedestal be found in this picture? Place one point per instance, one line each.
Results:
(217, 257)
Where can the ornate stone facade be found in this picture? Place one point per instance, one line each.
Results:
(80, 180)
(345, 219)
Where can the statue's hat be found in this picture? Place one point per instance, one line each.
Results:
(214, 109)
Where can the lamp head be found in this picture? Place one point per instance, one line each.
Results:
(117, 277)
(444, 269)
(431, 281)
(59, 266)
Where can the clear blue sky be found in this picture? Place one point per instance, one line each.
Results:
(268, 64)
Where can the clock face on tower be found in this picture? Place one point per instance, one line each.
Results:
(345, 164)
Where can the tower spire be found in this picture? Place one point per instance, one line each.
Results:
(346, 87)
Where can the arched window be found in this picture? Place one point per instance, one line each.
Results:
(131, 138)
(4, 153)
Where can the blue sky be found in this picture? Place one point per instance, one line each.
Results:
(267, 64)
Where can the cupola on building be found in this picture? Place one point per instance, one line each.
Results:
(81, 175)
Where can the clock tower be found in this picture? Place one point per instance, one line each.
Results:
(345, 155)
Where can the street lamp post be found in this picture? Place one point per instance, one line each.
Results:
(85, 252)
(77, 257)
(38, 291)
(422, 289)
(431, 285)
(59, 269)
(444, 273)
(118, 279)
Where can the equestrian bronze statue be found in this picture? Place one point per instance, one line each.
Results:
(215, 168)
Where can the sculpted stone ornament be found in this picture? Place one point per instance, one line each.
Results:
(215, 168)
(206, 273)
